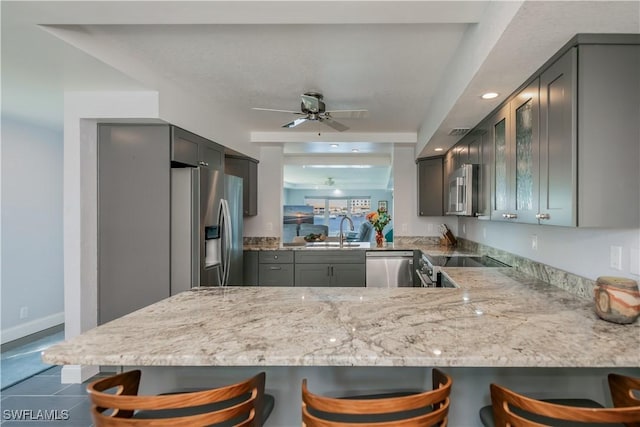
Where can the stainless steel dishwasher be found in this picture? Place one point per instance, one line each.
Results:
(389, 269)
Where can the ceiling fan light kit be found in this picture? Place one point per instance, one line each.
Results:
(313, 108)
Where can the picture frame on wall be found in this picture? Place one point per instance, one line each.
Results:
(383, 204)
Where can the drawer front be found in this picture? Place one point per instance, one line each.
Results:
(321, 256)
(275, 275)
(275, 257)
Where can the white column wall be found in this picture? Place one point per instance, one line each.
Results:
(82, 111)
(268, 222)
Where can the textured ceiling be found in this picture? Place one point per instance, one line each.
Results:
(391, 70)
(417, 66)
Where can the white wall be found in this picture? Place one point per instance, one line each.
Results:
(82, 111)
(268, 222)
(32, 261)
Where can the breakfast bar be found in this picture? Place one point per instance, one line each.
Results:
(500, 325)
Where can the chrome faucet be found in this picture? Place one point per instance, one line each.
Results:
(341, 233)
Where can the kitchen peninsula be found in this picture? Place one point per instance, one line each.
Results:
(500, 325)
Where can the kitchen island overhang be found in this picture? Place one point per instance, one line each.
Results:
(498, 319)
(501, 327)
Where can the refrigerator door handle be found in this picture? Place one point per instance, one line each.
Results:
(224, 217)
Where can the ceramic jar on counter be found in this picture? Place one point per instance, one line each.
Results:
(617, 299)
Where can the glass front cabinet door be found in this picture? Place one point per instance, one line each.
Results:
(514, 132)
(525, 108)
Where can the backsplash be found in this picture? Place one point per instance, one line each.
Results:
(577, 285)
(261, 242)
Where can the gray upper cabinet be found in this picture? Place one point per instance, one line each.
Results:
(189, 149)
(590, 104)
(499, 132)
(479, 144)
(564, 148)
(524, 154)
(558, 144)
(184, 150)
(247, 169)
(430, 187)
(608, 135)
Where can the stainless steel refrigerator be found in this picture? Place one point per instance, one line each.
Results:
(206, 229)
(230, 221)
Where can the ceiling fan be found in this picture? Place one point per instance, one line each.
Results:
(312, 108)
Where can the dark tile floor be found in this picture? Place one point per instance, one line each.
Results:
(43, 401)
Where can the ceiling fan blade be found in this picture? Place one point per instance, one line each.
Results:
(295, 123)
(349, 114)
(332, 123)
(277, 111)
(311, 103)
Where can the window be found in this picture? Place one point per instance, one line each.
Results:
(329, 210)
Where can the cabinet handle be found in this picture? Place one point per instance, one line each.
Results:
(275, 257)
(332, 270)
(543, 216)
(509, 216)
(275, 268)
(203, 163)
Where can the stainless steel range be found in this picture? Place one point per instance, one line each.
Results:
(429, 269)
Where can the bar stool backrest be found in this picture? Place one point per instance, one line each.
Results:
(109, 409)
(433, 403)
(503, 400)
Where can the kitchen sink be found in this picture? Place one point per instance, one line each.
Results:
(334, 245)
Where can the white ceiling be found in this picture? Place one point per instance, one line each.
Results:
(417, 66)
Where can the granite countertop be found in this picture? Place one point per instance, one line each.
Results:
(497, 317)
(432, 249)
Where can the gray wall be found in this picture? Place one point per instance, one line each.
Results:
(32, 255)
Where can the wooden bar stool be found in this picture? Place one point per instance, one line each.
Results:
(242, 404)
(622, 390)
(515, 410)
(429, 408)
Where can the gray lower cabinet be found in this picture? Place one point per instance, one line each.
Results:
(275, 268)
(250, 268)
(330, 268)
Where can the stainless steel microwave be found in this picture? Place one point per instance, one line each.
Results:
(463, 191)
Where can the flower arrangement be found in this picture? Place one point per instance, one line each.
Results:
(379, 218)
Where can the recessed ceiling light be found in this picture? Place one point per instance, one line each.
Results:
(354, 150)
(334, 145)
(438, 149)
(489, 95)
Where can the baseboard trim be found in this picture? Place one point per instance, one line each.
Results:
(31, 327)
(76, 374)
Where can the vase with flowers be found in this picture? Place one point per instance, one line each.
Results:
(379, 219)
